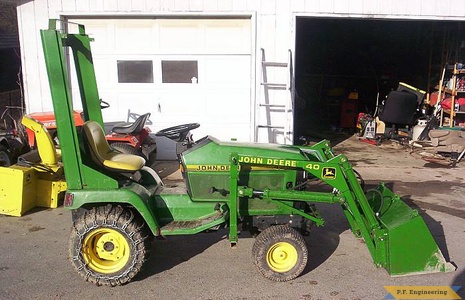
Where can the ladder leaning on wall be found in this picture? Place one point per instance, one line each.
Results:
(274, 112)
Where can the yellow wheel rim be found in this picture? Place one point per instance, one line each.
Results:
(106, 250)
(282, 257)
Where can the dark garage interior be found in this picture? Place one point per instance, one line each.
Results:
(337, 56)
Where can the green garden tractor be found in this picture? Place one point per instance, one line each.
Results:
(119, 205)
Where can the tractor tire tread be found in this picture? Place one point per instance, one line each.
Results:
(129, 224)
(6, 155)
(269, 237)
(125, 148)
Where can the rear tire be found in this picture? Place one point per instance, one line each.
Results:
(280, 253)
(109, 245)
(125, 148)
(5, 157)
(149, 149)
(151, 159)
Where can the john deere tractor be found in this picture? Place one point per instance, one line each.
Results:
(118, 205)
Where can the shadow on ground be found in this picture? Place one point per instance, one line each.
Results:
(168, 253)
(174, 250)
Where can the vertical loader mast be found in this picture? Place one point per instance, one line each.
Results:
(54, 42)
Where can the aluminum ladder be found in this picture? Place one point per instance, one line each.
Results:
(275, 115)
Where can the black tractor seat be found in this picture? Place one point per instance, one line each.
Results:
(135, 127)
(107, 157)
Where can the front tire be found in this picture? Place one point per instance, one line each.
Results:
(109, 245)
(280, 253)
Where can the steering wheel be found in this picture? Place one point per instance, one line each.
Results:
(104, 104)
(178, 133)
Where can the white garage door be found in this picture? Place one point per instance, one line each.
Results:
(179, 70)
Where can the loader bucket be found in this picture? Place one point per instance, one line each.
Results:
(408, 246)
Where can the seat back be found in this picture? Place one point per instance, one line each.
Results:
(132, 128)
(399, 108)
(104, 155)
(140, 123)
(97, 143)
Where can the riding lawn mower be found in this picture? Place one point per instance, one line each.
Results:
(126, 137)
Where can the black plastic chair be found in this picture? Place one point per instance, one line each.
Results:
(400, 108)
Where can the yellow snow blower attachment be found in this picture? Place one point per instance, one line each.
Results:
(36, 179)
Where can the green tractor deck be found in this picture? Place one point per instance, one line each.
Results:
(118, 205)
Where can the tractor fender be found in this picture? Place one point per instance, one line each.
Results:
(134, 196)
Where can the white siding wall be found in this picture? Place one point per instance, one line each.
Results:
(274, 23)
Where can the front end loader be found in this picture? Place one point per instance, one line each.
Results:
(118, 205)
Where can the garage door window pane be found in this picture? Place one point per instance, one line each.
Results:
(135, 71)
(178, 71)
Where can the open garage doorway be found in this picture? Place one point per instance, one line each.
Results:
(340, 58)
